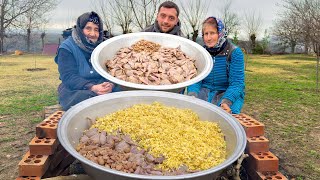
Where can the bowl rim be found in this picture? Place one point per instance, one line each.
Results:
(96, 64)
(65, 120)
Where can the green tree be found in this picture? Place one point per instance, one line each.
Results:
(235, 38)
(265, 42)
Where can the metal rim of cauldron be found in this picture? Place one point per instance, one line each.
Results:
(240, 133)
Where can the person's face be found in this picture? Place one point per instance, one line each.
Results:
(167, 18)
(91, 31)
(210, 35)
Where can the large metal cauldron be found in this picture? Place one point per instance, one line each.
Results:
(73, 123)
(106, 51)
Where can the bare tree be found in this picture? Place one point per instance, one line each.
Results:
(144, 12)
(252, 24)
(193, 12)
(122, 14)
(115, 12)
(300, 10)
(286, 30)
(103, 8)
(230, 19)
(308, 11)
(316, 47)
(11, 10)
(314, 10)
(35, 18)
(185, 29)
(43, 34)
(313, 7)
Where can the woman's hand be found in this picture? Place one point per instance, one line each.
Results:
(192, 94)
(225, 107)
(103, 88)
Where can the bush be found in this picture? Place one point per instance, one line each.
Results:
(258, 49)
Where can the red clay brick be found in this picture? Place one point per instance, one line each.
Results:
(254, 175)
(251, 126)
(43, 146)
(33, 165)
(28, 178)
(48, 127)
(257, 144)
(271, 175)
(264, 162)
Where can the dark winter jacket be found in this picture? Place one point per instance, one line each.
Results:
(155, 28)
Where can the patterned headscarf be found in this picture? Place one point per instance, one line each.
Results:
(223, 33)
(77, 33)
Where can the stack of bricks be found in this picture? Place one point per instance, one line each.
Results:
(46, 157)
(261, 164)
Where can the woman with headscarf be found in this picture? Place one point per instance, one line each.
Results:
(225, 85)
(79, 79)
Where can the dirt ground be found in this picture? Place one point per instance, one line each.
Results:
(298, 152)
(16, 133)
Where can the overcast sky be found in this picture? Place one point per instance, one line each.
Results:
(68, 10)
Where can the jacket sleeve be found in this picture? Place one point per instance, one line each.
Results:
(69, 73)
(194, 89)
(236, 76)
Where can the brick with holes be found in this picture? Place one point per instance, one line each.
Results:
(33, 165)
(48, 127)
(257, 144)
(251, 126)
(264, 162)
(271, 175)
(43, 146)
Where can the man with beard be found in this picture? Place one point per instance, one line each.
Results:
(167, 20)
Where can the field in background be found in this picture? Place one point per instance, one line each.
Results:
(280, 92)
(28, 84)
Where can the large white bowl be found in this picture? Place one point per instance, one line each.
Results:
(74, 122)
(107, 49)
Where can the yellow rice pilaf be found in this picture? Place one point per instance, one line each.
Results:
(178, 134)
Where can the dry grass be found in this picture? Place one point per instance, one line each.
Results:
(28, 84)
(280, 93)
